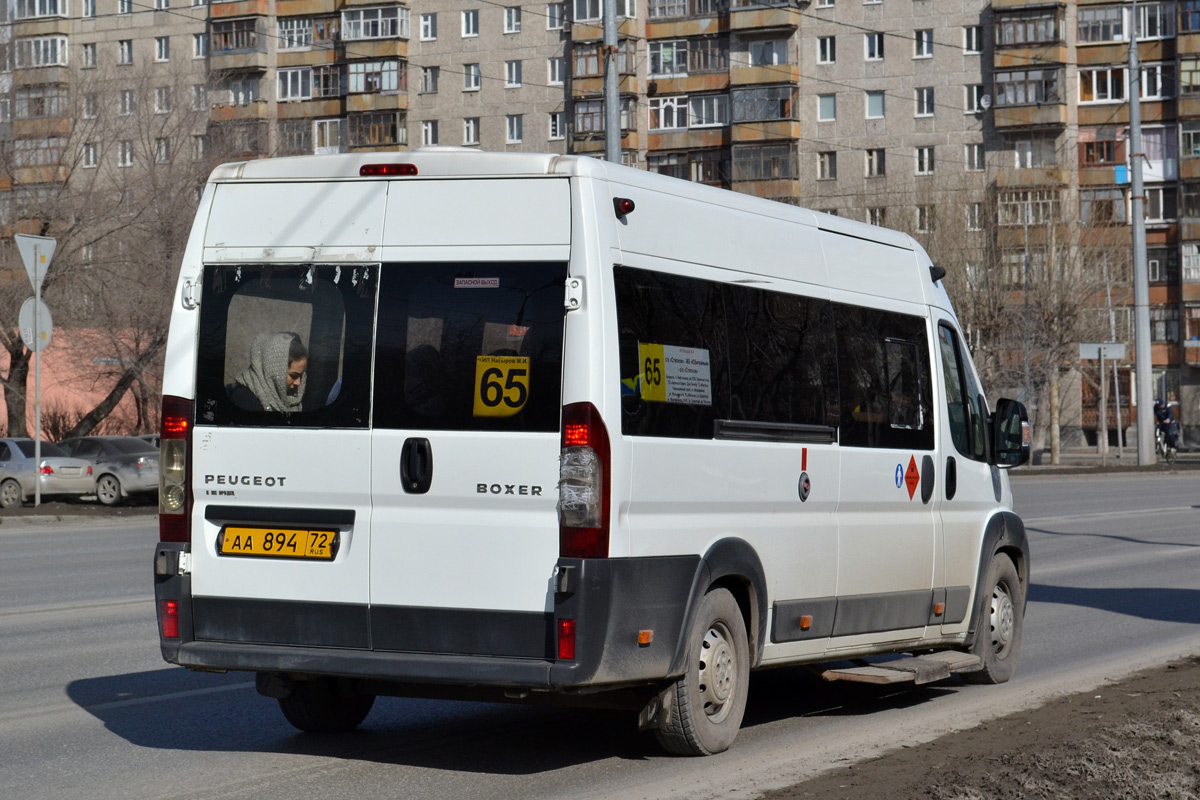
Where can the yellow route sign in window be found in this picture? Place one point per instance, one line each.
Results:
(671, 374)
(501, 385)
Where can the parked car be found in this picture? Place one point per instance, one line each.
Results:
(59, 474)
(152, 438)
(124, 466)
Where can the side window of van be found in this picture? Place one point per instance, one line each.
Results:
(286, 345)
(964, 406)
(884, 377)
(470, 346)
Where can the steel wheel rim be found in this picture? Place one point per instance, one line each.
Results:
(718, 672)
(1003, 619)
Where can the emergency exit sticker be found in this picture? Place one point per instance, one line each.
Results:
(675, 374)
(501, 385)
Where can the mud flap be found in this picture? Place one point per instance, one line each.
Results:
(656, 715)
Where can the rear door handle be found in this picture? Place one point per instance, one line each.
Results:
(416, 465)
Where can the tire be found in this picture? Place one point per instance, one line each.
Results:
(710, 698)
(999, 624)
(108, 490)
(317, 707)
(10, 494)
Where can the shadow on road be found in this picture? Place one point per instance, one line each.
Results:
(174, 709)
(1112, 536)
(1161, 605)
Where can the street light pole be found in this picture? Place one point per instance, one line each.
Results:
(1141, 276)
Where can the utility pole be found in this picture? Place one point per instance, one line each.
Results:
(1141, 276)
(612, 106)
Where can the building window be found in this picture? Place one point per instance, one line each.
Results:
(1100, 153)
(89, 55)
(428, 27)
(1101, 85)
(769, 53)
(375, 23)
(873, 44)
(429, 133)
(125, 153)
(1191, 140)
(667, 9)
(329, 136)
(826, 107)
(1157, 81)
(243, 92)
(1019, 28)
(558, 128)
(124, 6)
(89, 9)
(924, 219)
(162, 5)
(1164, 324)
(972, 39)
(1029, 206)
(668, 113)
(295, 32)
(91, 106)
(827, 166)
(826, 49)
(974, 98)
(554, 16)
(875, 163)
(925, 101)
(1160, 204)
(125, 51)
(162, 100)
(162, 150)
(512, 73)
(925, 160)
(89, 156)
(764, 103)
(923, 43)
(295, 84)
(1028, 86)
(974, 216)
(556, 69)
(126, 102)
(1033, 150)
(471, 77)
(374, 76)
(429, 80)
(765, 163)
(33, 102)
(471, 131)
(877, 216)
(1162, 265)
(1155, 20)
(975, 160)
(199, 97)
(1191, 262)
(824, 3)
(376, 129)
(162, 48)
(1101, 24)
(235, 35)
(668, 57)
(590, 63)
(513, 128)
(470, 23)
(874, 105)
(199, 45)
(512, 19)
(591, 9)
(329, 80)
(709, 110)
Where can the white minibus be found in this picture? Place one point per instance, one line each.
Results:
(519, 426)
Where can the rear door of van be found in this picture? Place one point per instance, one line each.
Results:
(281, 471)
(468, 401)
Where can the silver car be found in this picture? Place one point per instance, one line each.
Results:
(59, 474)
(125, 466)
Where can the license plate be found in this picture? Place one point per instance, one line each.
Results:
(304, 543)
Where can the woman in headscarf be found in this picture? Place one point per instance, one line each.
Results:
(275, 379)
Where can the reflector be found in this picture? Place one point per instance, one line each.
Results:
(169, 614)
(566, 639)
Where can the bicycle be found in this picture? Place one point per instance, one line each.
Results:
(1161, 449)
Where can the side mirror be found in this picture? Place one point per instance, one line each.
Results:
(1009, 434)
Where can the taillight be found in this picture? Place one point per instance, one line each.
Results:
(174, 497)
(168, 614)
(566, 639)
(47, 469)
(583, 484)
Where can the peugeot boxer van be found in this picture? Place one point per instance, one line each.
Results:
(517, 426)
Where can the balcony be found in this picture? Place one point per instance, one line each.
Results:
(314, 108)
(777, 73)
(377, 101)
(591, 30)
(240, 8)
(691, 139)
(746, 15)
(1022, 57)
(1028, 116)
(254, 110)
(1191, 353)
(679, 28)
(1017, 178)
(766, 130)
(690, 84)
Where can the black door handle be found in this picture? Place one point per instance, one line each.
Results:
(416, 465)
(951, 477)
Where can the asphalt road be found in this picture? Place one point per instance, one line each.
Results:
(89, 710)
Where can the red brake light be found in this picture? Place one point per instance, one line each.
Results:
(566, 639)
(47, 469)
(168, 611)
(387, 170)
(175, 471)
(583, 486)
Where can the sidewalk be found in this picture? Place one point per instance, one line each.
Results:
(1077, 460)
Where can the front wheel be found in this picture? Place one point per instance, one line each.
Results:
(999, 623)
(108, 490)
(318, 707)
(710, 698)
(10, 494)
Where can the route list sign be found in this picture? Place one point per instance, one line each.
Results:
(673, 374)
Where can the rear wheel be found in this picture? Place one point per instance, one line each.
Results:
(1000, 622)
(108, 490)
(318, 707)
(10, 494)
(710, 698)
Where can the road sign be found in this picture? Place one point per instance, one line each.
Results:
(45, 324)
(1112, 351)
(36, 252)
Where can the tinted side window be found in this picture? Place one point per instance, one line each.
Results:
(671, 336)
(884, 377)
(470, 346)
(286, 345)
